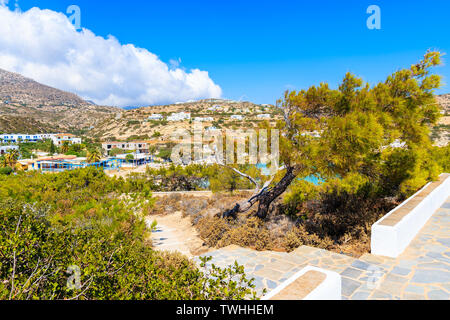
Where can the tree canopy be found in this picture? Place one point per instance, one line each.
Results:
(380, 133)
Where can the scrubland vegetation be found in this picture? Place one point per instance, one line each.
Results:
(53, 225)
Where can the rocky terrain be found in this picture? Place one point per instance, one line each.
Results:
(441, 133)
(27, 106)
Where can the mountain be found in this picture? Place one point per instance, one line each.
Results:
(27, 106)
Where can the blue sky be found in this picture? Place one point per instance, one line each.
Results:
(254, 50)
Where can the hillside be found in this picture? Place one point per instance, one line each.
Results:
(27, 106)
(218, 113)
(441, 133)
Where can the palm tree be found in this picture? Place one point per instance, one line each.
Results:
(93, 156)
(65, 147)
(3, 162)
(11, 158)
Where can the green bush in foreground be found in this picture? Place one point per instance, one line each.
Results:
(65, 236)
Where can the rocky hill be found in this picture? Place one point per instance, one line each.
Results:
(444, 101)
(222, 114)
(27, 106)
(441, 133)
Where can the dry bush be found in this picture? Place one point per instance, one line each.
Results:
(212, 229)
(298, 236)
(166, 205)
(192, 206)
(252, 234)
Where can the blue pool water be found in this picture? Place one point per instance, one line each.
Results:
(313, 179)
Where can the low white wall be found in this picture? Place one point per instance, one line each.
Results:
(391, 241)
(329, 289)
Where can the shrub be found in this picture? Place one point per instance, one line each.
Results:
(61, 228)
(252, 234)
(212, 229)
(6, 171)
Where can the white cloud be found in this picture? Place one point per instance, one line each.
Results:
(44, 45)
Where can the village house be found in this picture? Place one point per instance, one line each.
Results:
(237, 117)
(7, 149)
(58, 139)
(264, 116)
(135, 146)
(181, 116)
(155, 116)
(61, 138)
(215, 108)
(203, 119)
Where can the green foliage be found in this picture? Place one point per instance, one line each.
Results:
(225, 179)
(52, 226)
(442, 156)
(165, 153)
(6, 171)
(115, 151)
(358, 123)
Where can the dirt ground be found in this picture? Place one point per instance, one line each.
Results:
(176, 233)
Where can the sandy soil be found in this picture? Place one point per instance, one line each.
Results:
(176, 233)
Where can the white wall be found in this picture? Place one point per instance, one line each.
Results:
(391, 241)
(329, 289)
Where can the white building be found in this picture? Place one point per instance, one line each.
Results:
(264, 116)
(215, 108)
(58, 139)
(61, 138)
(181, 116)
(6, 149)
(200, 119)
(237, 117)
(14, 138)
(155, 116)
(135, 146)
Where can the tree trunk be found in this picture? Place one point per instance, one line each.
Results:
(264, 197)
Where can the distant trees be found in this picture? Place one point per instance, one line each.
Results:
(52, 148)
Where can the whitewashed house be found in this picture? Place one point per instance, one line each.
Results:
(203, 119)
(237, 117)
(264, 116)
(6, 149)
(59, 139)
(181, 116)
(215, 108)
(155, 116)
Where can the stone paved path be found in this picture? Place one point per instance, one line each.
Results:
(421, 272)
